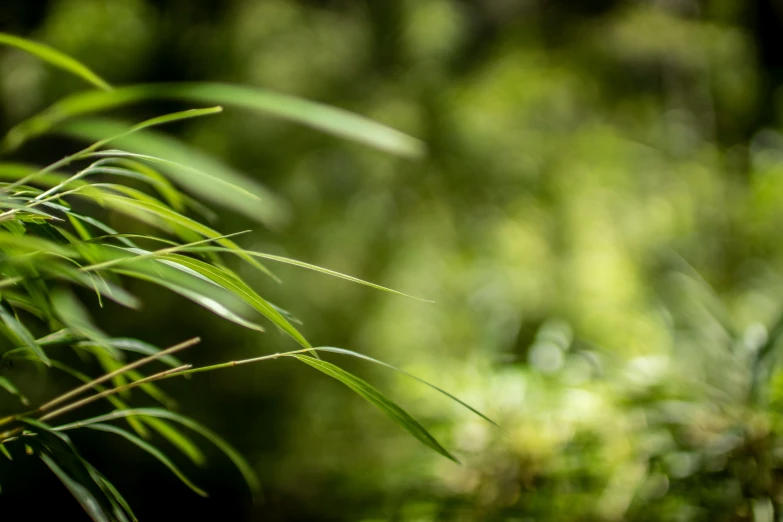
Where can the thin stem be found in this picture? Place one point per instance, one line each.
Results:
(174, 372)
(56, 165)
(88, 386)
(5, 216)
(160, 252)
(243, 361)
(128, 367)
(92, 398)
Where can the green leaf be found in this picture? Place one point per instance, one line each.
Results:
(73, 314)
(200, 173)
(343, 351)
(244, 468)
(372, 395)
(208, 302)
(172, 196)
(152, 450)
(23, 334)
(154, 213)
(5, 452)
(56, 58)
(302, 264)
(114, 492)
(76, 473)
(332, 120)
(177, 439)
(328, 119)
(228, 281)
(82, 494)
(136, 346)
(115, 401)
(11, 388)
(154, 122)
(31, 244)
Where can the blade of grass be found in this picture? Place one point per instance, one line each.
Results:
(332, 120)
(351, 353)
(152, 450)
(56, 58)
(23, 334)
(116, 495)
(197, 297)
(244, 468)
(132, 366)
(11, 388)
(308, 266)
(224, 279)
(86, 499)
(200, 173)
(377, 399)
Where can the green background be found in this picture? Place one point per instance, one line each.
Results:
(598, 222)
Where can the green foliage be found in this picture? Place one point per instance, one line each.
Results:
(51, 253)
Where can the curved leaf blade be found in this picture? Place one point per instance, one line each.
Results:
(152, 450)
(11, 388)
(55, 58)
(351, 353)
(86, 499)
(377, 399)
(207, 302)
(328, 119)
(23, 334)
(236, 458)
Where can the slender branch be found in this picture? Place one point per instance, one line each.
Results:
(160, 252)
(92, 398)
(174, 372)
(237, 363)
(5, 216)
(128, 367)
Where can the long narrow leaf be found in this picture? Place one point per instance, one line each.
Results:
(230, 282)
(302, 264)
(198, 172)
(23, 334)
(343, 351)
(152, 450)
(72, 466)
(11, 388)
(332, 120)
(155, 213)
(372, 395)
(244, 468)
(208, 302)
(80, 493)
(56, 58)
(116, 495)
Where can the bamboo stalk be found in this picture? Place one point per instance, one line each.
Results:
(92, 398)
(128, 367)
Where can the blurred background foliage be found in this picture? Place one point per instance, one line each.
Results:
(597, 221)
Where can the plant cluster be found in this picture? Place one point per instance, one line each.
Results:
(56, 247)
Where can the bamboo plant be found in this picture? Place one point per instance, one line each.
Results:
(48, 250)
